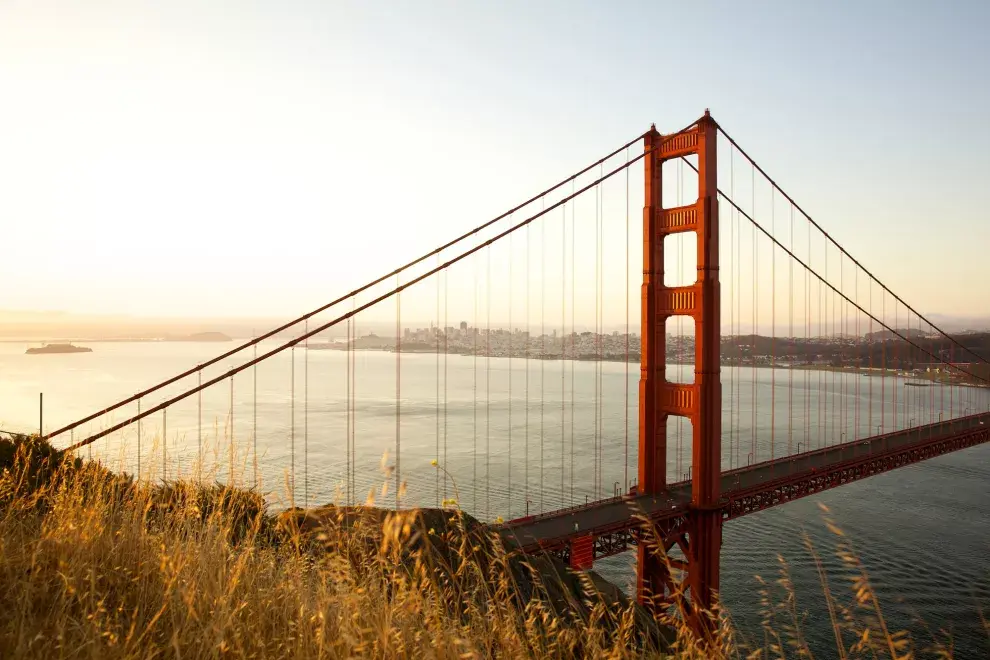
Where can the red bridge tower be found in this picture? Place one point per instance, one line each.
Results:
(700, 402)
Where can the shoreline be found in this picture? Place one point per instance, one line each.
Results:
(871, 372)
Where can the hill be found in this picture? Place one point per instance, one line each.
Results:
(201, 336)
(123, 568)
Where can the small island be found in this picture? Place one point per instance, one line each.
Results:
(58, 348)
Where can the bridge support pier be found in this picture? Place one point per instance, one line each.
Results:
(704, 552)
(582, 553)
(701, 401)
(652, 577)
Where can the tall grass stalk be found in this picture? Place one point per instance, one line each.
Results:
(95, 564)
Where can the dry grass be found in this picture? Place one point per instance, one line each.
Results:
(93, 565)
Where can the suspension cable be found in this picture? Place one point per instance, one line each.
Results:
(385, 296)
(355, 292)
(305, 417)
(883, 324)
(398, 393)
(511, 333)
(563, 343)
(841, 249)
(488, 379)
(625, 456)
(573, 332)
(446, 324)
(436, 414)
(543, 351)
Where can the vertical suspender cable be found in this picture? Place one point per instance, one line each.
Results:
(679, 269)
(826, 327)
(822, 379)
(834, 391)
(739, 324)
(488, 379)
(790, 339)
(732, 311)
(543, 352)
(899, 368)
(843, 405)
(353, 403)
(563, 332)
(254, 406)
(573, 331)
(598, 335)
(869, 348)
(292, 426)
(883, 366)
(474, 445)
(351, 412)
(436, 449)
(807, 336)
(305, 417)
(625, 455)
(601, 332)
(526, 414)
(511, 333)
(446, 324)
(347, 414)
(756, 321)
(859, 361)
(773, 327)
(398, 394)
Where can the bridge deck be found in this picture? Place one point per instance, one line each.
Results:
(622, 512)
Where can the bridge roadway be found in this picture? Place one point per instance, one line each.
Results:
(617, 513)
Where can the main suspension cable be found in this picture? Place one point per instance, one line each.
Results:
(385, 296)
(355, 292)
(824, 282)
(843, 250)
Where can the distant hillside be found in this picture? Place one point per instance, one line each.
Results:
(201, 336)
(880, 335)
(894, 353)
(967, 324)
(368, 342)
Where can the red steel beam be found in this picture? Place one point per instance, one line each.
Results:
(795, 486)
(736, 503)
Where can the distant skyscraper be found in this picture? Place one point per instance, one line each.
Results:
(464, 326)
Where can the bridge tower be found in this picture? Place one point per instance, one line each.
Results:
(700, 402)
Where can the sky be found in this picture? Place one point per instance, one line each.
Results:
(258, 159)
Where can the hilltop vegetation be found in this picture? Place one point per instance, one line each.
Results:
(96, 565)
(99, 565)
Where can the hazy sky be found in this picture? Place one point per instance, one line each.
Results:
(256, 159)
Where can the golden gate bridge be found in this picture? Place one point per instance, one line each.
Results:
(801, 357)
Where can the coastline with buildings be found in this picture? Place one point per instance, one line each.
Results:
(872, 354)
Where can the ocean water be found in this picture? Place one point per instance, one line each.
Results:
(525, 436)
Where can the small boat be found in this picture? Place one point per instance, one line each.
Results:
(917, 384)
(58, 348)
